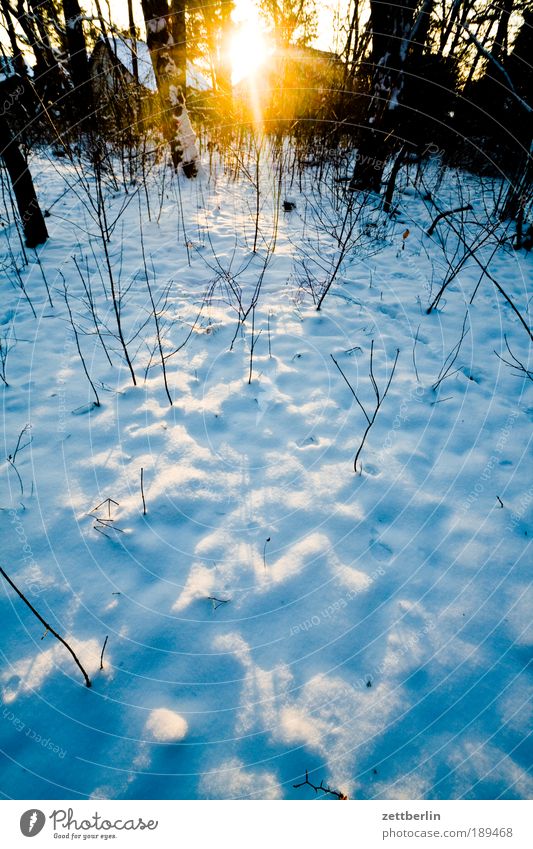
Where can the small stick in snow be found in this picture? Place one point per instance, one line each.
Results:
(107, 523)
(46, 625)
(253, 343)
(264, 552)
(414, 354)
(499, 499)
(142, 491)
(109, 502)
(103, 650)
(320, 788)
(216, 602)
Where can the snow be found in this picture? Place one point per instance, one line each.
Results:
(123, 49)
(273, 611)
(166, 726)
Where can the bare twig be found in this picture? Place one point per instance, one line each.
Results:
(380, 397)
(109, 502)
(264, 552)
(18, 446)
(46, 625)
(448, 212)
(446, 369)
(103, 650)
(12, 457)
(216, 602)
(78, 346)
(515, 363)
(320, 788)
(142, 491)
(488, 55)
(155, 314)
(414, 354)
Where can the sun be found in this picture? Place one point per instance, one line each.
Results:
(249, 49)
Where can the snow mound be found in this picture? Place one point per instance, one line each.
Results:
(166, 726)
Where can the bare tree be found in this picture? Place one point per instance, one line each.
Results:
(170, 83)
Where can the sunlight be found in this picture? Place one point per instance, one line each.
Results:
(249, 49)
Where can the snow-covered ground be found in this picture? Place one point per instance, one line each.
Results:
(273, 611)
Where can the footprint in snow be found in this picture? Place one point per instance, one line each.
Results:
(380, 551)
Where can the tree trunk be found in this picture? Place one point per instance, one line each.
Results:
(33, 223)
(392, 24)
(179, 35)
(499, 48)
(224, 68)
(77, 58)
(518, 66)
(133, 38)
(175, 118)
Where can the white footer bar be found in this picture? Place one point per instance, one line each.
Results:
(268, 825)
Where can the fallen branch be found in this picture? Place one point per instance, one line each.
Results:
(216, 602)
(46, 625)
(442, 215)
(320, 788)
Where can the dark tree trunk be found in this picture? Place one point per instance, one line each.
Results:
(421, 29)
(392, 24)
(499, 48)
(32, 218)
(133, 37)
(175, 118)
(518, 66)
(77, 58)
(179, 36)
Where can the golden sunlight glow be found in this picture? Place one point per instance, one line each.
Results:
(249, 48)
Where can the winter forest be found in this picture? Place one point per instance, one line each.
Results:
(265, 328)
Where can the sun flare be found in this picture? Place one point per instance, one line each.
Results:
(249, 49)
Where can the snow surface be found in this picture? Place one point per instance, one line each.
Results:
(273, 611)
(166, 726)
